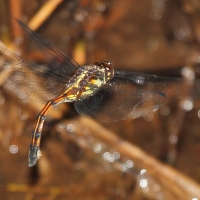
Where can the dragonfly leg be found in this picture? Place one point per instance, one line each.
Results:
(34, 150)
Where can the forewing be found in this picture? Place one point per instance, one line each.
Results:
(28, 80)
(61, 63)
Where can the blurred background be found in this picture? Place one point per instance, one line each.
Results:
(156, 155)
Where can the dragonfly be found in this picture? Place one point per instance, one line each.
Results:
(97, 90)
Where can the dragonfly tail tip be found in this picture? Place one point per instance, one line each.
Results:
(34, 155)
(30, 164)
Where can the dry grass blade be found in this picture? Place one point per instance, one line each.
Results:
(180, 185)
(16, 10)
(45, 11)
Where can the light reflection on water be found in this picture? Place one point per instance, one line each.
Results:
(148, 116)
(186, 104)
(110, 159)
(143, 183)
(71, 128)
(165, 110)
(158, 6)
(13, 149)
(23, 116)
(97, 147)
(188, 73)
(183, 32)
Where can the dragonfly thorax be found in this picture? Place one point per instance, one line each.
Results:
(88, 79)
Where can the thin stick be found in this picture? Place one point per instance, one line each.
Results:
(179, 184)
(15, 10)
(43, 14)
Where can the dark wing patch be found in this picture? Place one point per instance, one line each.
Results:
(119, 100)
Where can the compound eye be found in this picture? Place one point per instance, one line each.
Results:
(107, 65)
(102, 65)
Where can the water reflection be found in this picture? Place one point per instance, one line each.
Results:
(143, 171)
(152, 45)
(23, 116)
(116, 155)
(101, 6)
(165, 110)
(173, 139)
(143, 183)
(90, 139)
(148, 116)
(183, 32)
(198, 113)
(97, 147)
(124, 168)
(186, 104)
(13, 149)
(71, 128)
(108, 156)
(129, 163)
(158, 6)
(19, 41)
(80, 15)
(188, 73)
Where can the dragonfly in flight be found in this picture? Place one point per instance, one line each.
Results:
(97, 90)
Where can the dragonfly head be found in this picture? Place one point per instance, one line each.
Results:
(109, 68)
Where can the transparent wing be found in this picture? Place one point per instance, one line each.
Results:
(113, 105)
(58, 60)
(130, 95)
(28, 80)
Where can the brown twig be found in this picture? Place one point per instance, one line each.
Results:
(43, 13)
(15, 10)
(180, 185)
